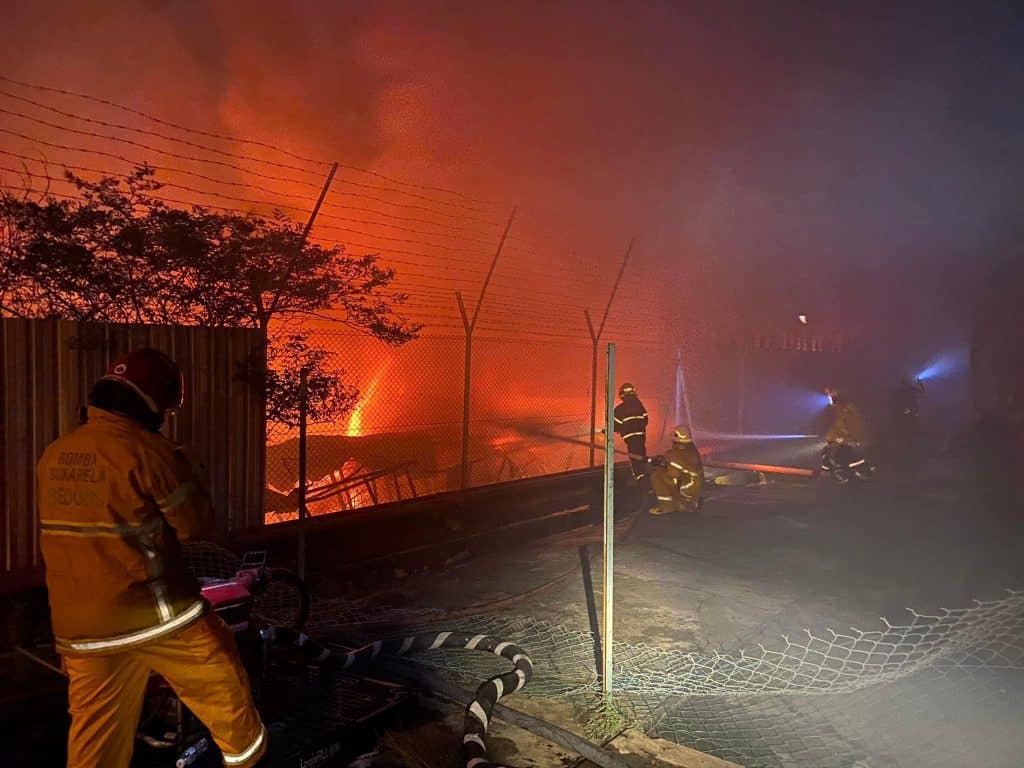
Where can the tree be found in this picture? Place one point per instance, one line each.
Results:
(327, 395)
(118, 253)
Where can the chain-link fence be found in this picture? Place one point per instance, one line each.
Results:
(528, 405)
(939, 689)
(413, 429)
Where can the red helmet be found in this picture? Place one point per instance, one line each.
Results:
(153, 376)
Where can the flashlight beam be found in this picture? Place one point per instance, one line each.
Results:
(751, 438)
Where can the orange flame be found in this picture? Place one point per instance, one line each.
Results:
(355, 419)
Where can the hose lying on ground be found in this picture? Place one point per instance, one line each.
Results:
(421, 677)
(479, 710)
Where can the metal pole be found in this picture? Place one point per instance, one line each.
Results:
(303, 418)
(469, 324)
(593, 387)
(304, 393)
(742, 388)
(679, 390)
(595, 339)
(494, 263)
(681, 387)
(319, 202)
(609, 525)
(466, 369)
(615, 288)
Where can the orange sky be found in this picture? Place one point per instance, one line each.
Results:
(769, 160)
(392, 90)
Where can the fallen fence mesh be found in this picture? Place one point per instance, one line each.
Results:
(945, 689)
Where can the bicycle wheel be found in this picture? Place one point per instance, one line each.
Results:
(284, 601)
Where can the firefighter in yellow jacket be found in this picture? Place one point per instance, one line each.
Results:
(847, 437)
(679, 484)
(848, 426)
(115, 498)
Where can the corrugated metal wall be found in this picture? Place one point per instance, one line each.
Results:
(46, 370)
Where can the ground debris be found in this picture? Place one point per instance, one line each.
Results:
(642, 751)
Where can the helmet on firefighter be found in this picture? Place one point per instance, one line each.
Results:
(681, 434)
(626, 389)
(151, 375)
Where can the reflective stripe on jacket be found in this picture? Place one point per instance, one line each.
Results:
(684, 467)
(114, 499)
(631, 418)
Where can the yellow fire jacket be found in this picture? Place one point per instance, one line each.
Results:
(849, 426)
(683, 471)
(114, 499)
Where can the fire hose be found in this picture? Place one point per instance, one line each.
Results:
(231, 594)
(480, 709)
(481, 706)
(766, 468)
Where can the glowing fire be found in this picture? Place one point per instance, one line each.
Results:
(355, 419)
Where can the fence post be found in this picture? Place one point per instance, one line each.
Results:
(593, 386)
(319, 202)
(595, 339)
(468, 324)
(683, 395)
(304, 392)
(303, 419)
(466, 381)
(742, 392)
(609, 526)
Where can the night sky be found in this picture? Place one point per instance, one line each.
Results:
(855, 161)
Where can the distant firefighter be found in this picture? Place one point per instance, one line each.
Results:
(906, 398)
(631, 425)
(903, 423)
(846, 439)
(848, 425)
(678, 483)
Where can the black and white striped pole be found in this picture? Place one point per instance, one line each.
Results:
(609, 523)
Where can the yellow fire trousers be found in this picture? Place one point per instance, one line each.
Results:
(669, 497)
(202, 666)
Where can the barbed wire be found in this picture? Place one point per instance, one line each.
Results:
(524, 314)
(252, 201)
(467, 281)
(489, 223)
(240, 140)
(451, 321)
(224, 164)
(460, 233)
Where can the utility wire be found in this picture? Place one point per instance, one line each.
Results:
(309, 199)
(224, 164)
(336, 192)
(250, 142)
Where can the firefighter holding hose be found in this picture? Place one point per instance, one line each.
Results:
(115, 498)
(846, 438)
(631, 425)
(678, 481)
